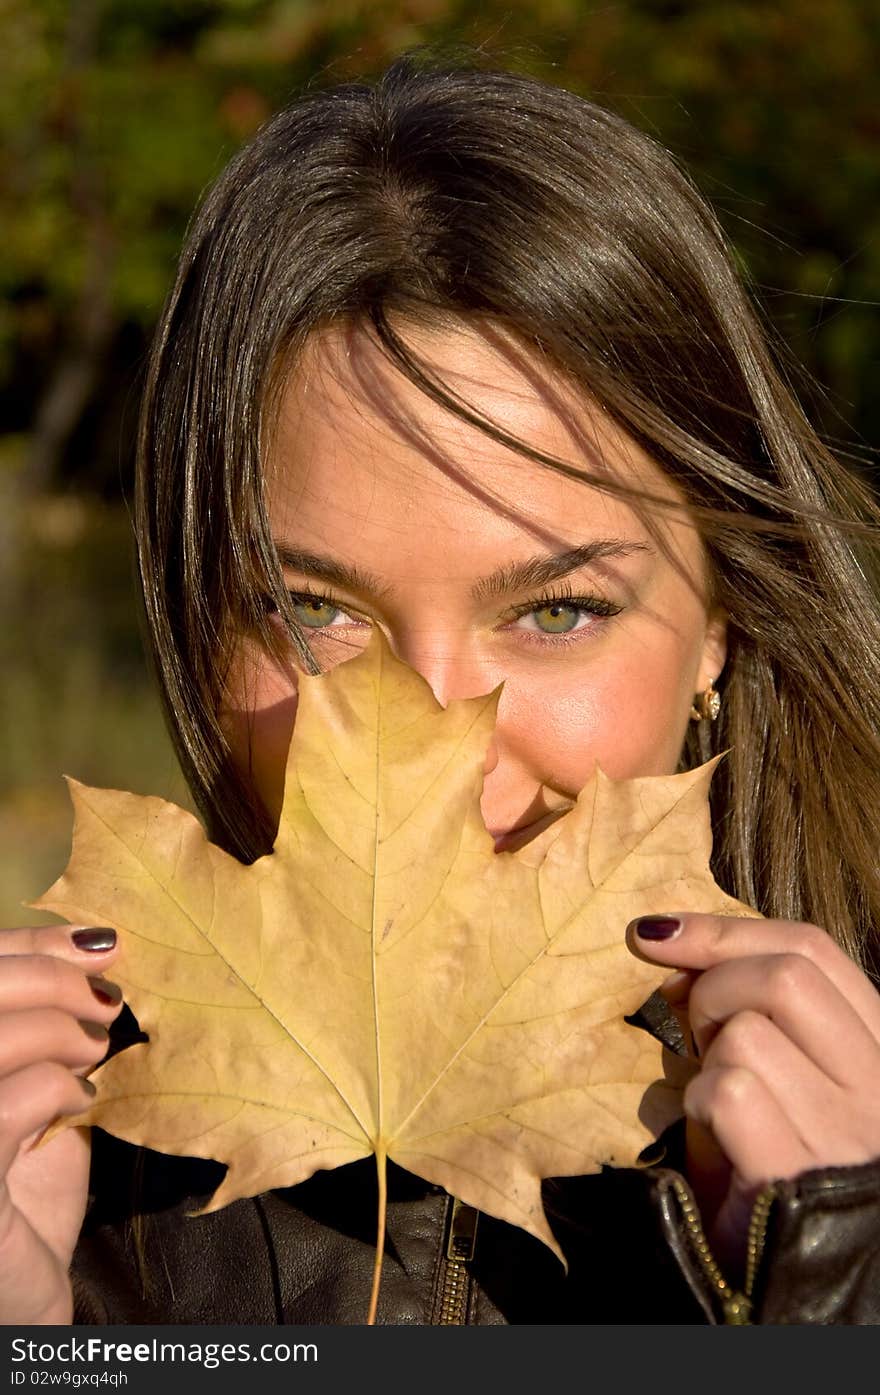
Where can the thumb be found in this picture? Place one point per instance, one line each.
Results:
(653, 938)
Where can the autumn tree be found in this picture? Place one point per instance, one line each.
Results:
(115, 114)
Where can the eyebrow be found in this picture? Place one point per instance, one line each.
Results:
(515, 576)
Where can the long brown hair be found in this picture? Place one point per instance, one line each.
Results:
(452, 187)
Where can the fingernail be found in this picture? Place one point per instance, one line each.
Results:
(108, 993)
(101, 938)
(93, 1029)
(89, 1088)
(656, 927)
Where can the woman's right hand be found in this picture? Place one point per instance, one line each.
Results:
(54, 1015)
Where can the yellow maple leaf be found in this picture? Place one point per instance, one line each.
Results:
(383, 981)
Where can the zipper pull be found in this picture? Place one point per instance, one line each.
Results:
(737, 1311)
(462, 1237)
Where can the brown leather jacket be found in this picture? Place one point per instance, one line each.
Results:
(631, 1236)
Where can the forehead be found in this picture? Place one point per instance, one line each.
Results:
(355, 435)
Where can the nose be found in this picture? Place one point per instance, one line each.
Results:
(451, 671)
(449, 668)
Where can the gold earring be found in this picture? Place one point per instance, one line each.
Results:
(707, 705)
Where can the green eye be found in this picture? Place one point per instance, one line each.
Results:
(557, 618)
(314, 612)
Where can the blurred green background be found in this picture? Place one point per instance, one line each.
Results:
(115, 114)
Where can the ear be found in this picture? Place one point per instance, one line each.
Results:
(714, 652)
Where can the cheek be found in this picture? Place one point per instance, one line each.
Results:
(258, 718)
(625, 710)
(630, 720)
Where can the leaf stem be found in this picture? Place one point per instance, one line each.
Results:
(382, 1172)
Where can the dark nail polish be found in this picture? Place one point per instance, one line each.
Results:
(96, 1031)
(89, 1088)
(101, 938)
(656, 927)
(108, 993)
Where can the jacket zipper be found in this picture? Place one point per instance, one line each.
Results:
(454, 1290)
(736, 1306)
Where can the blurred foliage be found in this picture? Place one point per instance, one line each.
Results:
(75, 698)
(115, 115)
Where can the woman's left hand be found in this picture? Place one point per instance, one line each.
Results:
(787, 1032)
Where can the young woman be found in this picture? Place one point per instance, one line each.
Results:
(462, 356)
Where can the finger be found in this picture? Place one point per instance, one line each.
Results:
(50, 1035)
(42, 981)
(95, 946)
(795, 994)
(31, 1098)
(744, 1116)
(838, 1126)
(676, 988)
(808, 1100)
(688, 940)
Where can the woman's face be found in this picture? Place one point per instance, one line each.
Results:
(480, 566)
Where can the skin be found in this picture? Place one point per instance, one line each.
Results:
(366, 468)
(47, 1004)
